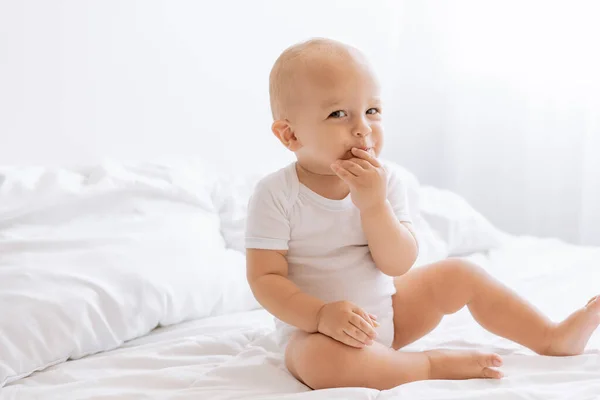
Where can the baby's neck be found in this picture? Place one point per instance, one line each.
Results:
(328, 186)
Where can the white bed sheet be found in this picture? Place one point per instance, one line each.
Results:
(234, 357)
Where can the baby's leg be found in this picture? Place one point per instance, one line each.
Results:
(424, 295)
(322, 362)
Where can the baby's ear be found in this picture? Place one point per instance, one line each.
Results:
(284, 132)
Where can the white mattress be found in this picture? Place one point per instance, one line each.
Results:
(234, 357)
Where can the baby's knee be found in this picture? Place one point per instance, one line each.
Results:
(463, 270)
(316, 360)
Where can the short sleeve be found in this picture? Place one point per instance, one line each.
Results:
(397, 196)
(267, 225)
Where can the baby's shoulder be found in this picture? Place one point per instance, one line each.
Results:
(278, 185)
(397, 174)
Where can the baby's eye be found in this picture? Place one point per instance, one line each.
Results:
(373, 111)
(338, 114)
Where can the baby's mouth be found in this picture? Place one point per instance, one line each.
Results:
(367, 149)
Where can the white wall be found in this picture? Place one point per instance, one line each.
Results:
(498, 105)
(84, 80)
(513, 88)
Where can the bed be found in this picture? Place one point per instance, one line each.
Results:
(126, 281)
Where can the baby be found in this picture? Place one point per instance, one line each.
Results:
(330, 246)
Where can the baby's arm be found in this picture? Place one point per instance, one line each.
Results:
(392, 243)
(267, 272)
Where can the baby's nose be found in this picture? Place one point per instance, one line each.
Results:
(362, 128)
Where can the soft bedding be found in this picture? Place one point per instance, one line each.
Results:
(234, 357)
(135, 275)
(92, 257)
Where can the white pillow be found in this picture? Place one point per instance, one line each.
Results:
(93, 257)
(457, 223)
(230, 197)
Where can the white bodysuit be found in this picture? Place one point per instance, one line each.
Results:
(327, 252)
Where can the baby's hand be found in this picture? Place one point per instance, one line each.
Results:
(366, 178)
(347, 323)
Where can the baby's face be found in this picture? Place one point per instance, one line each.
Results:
(336, 107)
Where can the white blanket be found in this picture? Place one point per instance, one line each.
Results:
(234, 357)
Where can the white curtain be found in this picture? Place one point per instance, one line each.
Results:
(512, 90)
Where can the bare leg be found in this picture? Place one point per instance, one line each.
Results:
(322, 362)
(424, 295)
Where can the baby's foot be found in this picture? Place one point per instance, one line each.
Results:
(455, 364)
(570, 337)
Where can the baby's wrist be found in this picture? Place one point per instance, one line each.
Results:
(318, 317)
(374, 209)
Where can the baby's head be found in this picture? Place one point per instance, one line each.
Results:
(325, 99)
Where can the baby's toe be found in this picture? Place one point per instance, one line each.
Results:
(491, 360)
(491, 373)
(593, 304)
(488, 363)
(497, 360)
